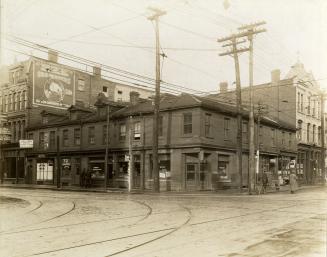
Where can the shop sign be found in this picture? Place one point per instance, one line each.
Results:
(65, 162)
(126, 158)
(292, 164)
(25, 143)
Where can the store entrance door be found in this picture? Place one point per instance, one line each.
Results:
(192, 176)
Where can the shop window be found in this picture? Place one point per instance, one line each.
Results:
(44, 170)
(91, 135)
(226, 128)
(187, 124)
(77, 136)
(190, 171)
(137, 130)
(207, 125)
(223, 164)
(65, 137)
(122, 132)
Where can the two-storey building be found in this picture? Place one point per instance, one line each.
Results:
(197, 144)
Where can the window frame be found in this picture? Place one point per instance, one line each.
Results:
(187, 123)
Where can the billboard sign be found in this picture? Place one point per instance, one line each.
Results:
(25, 143)
(53, 85)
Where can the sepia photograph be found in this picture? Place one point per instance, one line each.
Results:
(163, 128)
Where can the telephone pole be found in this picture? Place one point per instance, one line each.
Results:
(234, 51)
(251, 30)
(323, 149)
(156, 181)
(107, 150)
(130, 154)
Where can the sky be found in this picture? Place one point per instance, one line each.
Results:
(118, 33)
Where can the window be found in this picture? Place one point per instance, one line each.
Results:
(30, 135)
(226, 128)
(301, 102)
(319, 135)
(309, 104)
(245, 135)
(91, 135)
(9, 102)
(160, 128)
(289, 139)
(137, 130)
(207, 124)
(283, 138)
(45, 119)
(299, 129)
(223, 163)
(104, 89)
(41, 140)
(104, 134)
(81, 84)
(314, 133)
(308, 132)
(52, 140)
(187, 123)
(314, 108)
(19, 102)
(122, 132)
(19, 130)
(65, 137)
(77, 136)
(5, 103)
(14, 102)
(120, 95)
(273, 138)
(25, 99)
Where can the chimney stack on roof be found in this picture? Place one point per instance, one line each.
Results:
(223, 87)
(134, 97)
(53, 56)
(97, 71)
(275, 76)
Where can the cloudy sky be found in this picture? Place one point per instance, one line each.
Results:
(117, 33)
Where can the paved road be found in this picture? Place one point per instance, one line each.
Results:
(50, 223)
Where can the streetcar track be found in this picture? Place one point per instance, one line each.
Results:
(46, 220)
(171, 230)
(36, 208)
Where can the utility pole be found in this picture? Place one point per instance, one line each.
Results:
(234, 51)
(156, 181)
(130, 154)
(323, 150)
(250, 29)
(107, 150)
(58, 163)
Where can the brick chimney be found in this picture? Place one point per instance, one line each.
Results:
(223, 87)
(52, 56)
(97, 71)
(275, 76)
(134, 97)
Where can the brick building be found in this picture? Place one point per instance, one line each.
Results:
(293, 100)
(37, 85)
(197, 144)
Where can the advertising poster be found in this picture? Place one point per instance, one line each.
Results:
(53, 85)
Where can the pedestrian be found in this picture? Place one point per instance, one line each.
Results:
(293, 182)
(264, 182)
(82, 179)
(88, 180)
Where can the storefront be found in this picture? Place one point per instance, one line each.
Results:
(44, 171)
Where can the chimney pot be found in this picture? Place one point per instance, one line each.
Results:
(53, 56)
(134, 97)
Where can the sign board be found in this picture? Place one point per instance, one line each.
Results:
(126, 158)
(53, 85)
(292, 164)
(25, 143)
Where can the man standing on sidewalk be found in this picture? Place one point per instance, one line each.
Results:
(293, 182)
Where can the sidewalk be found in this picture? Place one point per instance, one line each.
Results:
(283, 189)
